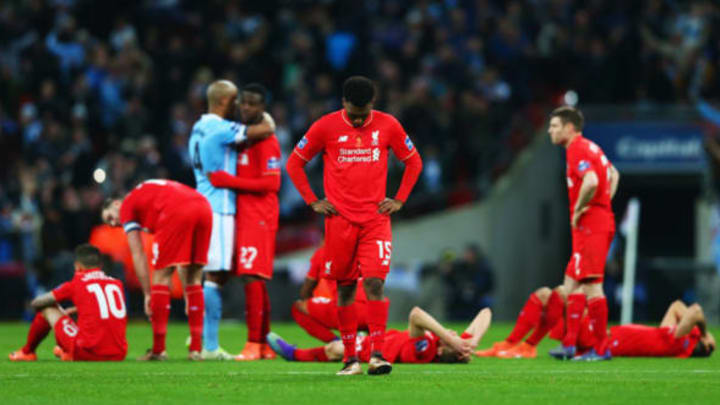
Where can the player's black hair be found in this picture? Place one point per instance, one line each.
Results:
(88, 255)
(358, 90)
(257, 88)
(571, 115)
(701, 350)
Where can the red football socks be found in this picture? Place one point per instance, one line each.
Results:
(377, 320)
(529, 318)
(196, 311)
(575, 308)
(254, 310)
(598, 314)
(348, 329)
(266, 311)
(314, 354)
(313, 327)
(553, 313)
(39, 328)
(160, 306)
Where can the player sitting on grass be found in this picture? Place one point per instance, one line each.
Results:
(425, 341)
(99, 334)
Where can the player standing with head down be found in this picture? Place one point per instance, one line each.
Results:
(181, 220)
(213, 148)
(592, 182)
(355, 142)
(256, 183)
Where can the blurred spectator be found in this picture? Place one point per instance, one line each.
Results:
(469, 284)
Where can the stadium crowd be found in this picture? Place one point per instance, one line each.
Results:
(118, 87)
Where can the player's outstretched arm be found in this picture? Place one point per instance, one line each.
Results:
(694, 316)
(140, 263)
(264, 184)
(614, 181)
(420, 321)
(43, 301)
(261, 130)
(479, 326)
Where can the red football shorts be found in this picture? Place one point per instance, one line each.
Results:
(183, 235)
(369, 244)
(255, 251)
(324, 310)
(66, 332)
(589, 254)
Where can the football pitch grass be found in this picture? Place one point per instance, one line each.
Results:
(492, 381)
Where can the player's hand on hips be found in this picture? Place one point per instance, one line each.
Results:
(577, 215)
(389, 206)
(148, 311)
(323, 207)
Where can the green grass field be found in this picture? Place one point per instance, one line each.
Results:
(540, 381)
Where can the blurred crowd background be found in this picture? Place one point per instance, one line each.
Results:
(97, 96)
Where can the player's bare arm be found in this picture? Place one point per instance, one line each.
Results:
(261, 130)
(43, 301)
(614, 181)
(420, 321)
(694, 316)
(587, 192)
(323, 207)
(674, 313)
(479, 326)
(140, 262)
(306, 290)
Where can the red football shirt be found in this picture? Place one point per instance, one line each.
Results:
(399, 347)
(648, 341)
(355, 159)
(101, 311)
(582, 156)
(147, 202)
(260, 159)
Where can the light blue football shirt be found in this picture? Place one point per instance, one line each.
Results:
(212, 148)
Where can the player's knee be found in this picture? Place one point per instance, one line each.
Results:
(543, 294)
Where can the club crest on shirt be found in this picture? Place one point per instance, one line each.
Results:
(408, 143)
(583, 165)
(375, 136)
(273, 163)
(302, 143)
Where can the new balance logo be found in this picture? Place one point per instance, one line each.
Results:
(343, 138)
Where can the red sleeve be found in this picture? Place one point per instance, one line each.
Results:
(128, 218)
(400, 143)
(413, 167)
(296, 171)
(63, 292)
(580, 161)
(263, 184)
(312, 143)
(270, 156)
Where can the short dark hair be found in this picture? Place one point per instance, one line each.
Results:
(701, 350)
(88, 255)
(257, 88)
(358, 90)
(571, 115)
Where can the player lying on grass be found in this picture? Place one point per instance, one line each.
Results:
(681, 333)
(316, 310)
(424, 341)
(99, 334)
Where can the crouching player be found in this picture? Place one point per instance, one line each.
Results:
(99, 334)
(425, 341)
(317, 312)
